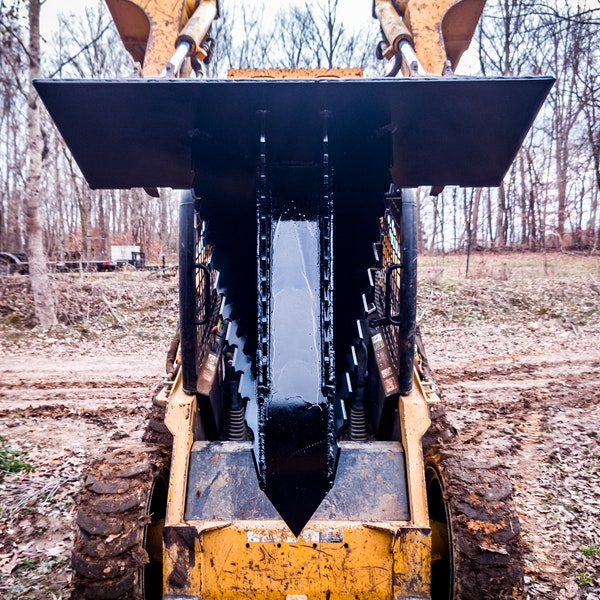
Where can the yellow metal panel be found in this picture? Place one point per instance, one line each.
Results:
(415, 421)
(392, 25)
(330, 560)
(198, 26)
(294, 73)
(424, 19)
(458, 27)
(412, 563)
(180, 421)
(442, 29)
(164, 19)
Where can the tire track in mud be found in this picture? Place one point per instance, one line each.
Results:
(527, 369)
(23, 384)
(71, 388)
(82, 403)
(66, 412)
(116, 397)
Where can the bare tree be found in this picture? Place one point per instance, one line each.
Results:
(294, 29)
(588, 92)
(12, 96)
(522, 37)
(331, 43)
(244, 39)
(556, 175)
(505, 35)
(503, 38)
(43, 294)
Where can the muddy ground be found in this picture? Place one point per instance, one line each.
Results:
(515, 349)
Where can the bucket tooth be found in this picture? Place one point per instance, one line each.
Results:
(295, 498)
(296, 466)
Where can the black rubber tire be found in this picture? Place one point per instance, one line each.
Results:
(124, 498)
(156, 431)
(474, 495)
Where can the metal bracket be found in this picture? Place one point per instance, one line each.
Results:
(389, 318)
(207, 302)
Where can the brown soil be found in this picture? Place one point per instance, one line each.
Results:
(516, 359)
(539, 407)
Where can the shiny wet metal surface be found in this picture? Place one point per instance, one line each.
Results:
(296, 363)
(434, 130)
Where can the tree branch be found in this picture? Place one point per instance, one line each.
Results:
(81, 51)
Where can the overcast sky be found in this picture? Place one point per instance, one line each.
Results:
(356, 12)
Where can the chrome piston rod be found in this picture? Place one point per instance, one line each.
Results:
(173, 67)
(410, 57)
(189, 41)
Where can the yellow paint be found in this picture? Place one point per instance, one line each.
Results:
(333, 560)
(262, 560)
(155, 24)
(424, 20)
(150, 28)
(294, 73)
(179, 564)
(412, 561)
(180, 421)
(414, 422)
(392, 26)
(437, 29)
(198, 26)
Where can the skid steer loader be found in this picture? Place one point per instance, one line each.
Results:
(299, 448)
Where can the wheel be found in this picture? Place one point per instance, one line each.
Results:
(156, 431)
(476, 551)
(120, 517)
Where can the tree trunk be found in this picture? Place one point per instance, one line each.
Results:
(420, 238)
(102, 222)
(594, 139)
(43, 293)
(85, 223)
(593, 224)
(475, 218)
(436, 213)
(523, 197)
(561, 187)
(501, 218)
(489, 229)
(13, 242)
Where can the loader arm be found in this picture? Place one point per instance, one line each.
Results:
(151, 29)
(439, 31)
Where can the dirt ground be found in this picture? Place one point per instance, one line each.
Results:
(515, 349)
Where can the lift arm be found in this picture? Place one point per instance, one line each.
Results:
(150, 30)
(434, 32)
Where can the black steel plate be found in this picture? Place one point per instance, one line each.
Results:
(444, 130)
(370, 484)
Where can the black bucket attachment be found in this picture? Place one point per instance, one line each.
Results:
(438, 131)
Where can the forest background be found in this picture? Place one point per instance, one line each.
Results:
(549, 198)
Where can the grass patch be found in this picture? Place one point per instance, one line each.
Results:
(583, 579)
(11, 460)
(590, 550)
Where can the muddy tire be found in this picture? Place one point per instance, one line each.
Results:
(156, 431)
(477, 552)
(120, 512)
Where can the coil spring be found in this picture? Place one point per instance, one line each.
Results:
(237, 425)
(358, 424)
